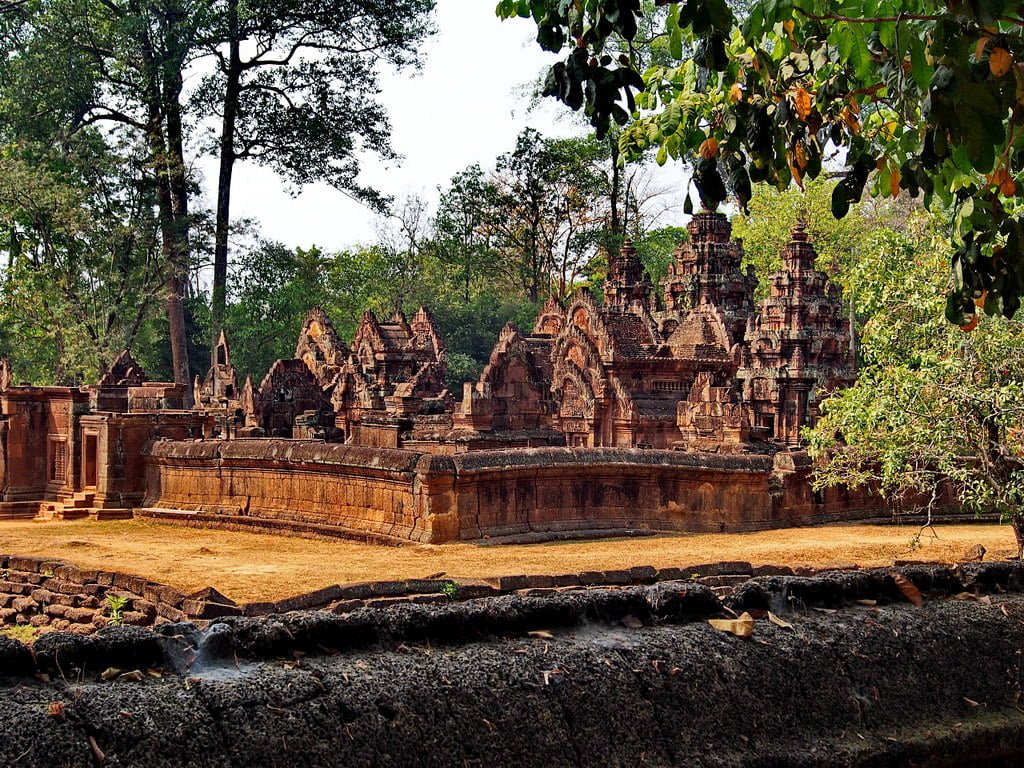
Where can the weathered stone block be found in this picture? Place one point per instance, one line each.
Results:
(169, 613)
(618, 578)
(772, 570)
(671, 574)
(357, 591)
(161, 594)
(14, 588)
(130, 583)
(42, 596)
(204, 609)
(259, 609)
(25, 605)
(643, 574)
(79, 615)
(388, 588)
(317, 599)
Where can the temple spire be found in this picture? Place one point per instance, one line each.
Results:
(627, 281)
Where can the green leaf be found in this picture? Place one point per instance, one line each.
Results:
(919, 62)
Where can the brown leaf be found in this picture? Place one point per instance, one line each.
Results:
(709, 148)
(631, 622)
(849, 117)
(779, 622)
(802, 102)
(56, 709)
(894, 182)
(971, 324)
(907, 589)
(1000, 61)
(110, 673)
(741, 627)
(98, 755)
(789, 25)
(541, 634)
(979, 48)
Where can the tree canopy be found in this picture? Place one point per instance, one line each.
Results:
(909, 95)
(935, 413)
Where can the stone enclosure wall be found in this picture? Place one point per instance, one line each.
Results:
(398, 495)
(42, 592)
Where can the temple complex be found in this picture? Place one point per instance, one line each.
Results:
(694, 366)
(703, 369)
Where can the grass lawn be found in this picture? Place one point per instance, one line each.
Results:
(251, 567)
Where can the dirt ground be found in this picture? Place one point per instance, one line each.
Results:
(253, 567)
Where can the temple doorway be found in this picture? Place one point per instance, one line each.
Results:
(90, 449)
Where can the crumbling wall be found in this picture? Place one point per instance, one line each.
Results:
(50, 593)
(634, 676)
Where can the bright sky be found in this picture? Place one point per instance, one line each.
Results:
(466, 106)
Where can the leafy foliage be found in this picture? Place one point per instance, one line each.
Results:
(83, 268)
(933, 408)
(916, 95)
(845, 246)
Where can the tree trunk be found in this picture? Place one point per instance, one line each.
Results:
(218, 301)
(1017, 522)
(181, 245)
(164, 137)
(613, 198)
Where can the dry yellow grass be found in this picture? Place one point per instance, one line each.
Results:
(252, 567)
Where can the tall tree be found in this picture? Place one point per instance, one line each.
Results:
(546, 212)
(295, 87)
(119, 63)
(461, 240)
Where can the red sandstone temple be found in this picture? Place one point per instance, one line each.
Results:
(698, 368)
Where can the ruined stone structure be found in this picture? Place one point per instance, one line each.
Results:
(393, 375)
(629, 397)
(70, 452)
(220, 387)
(703, 369)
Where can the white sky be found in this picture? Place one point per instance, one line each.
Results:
(466, 106)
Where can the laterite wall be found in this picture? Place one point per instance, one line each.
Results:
(386, 494)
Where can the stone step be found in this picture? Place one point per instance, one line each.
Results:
(72, 513)
(114, 513)
(10, 510)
